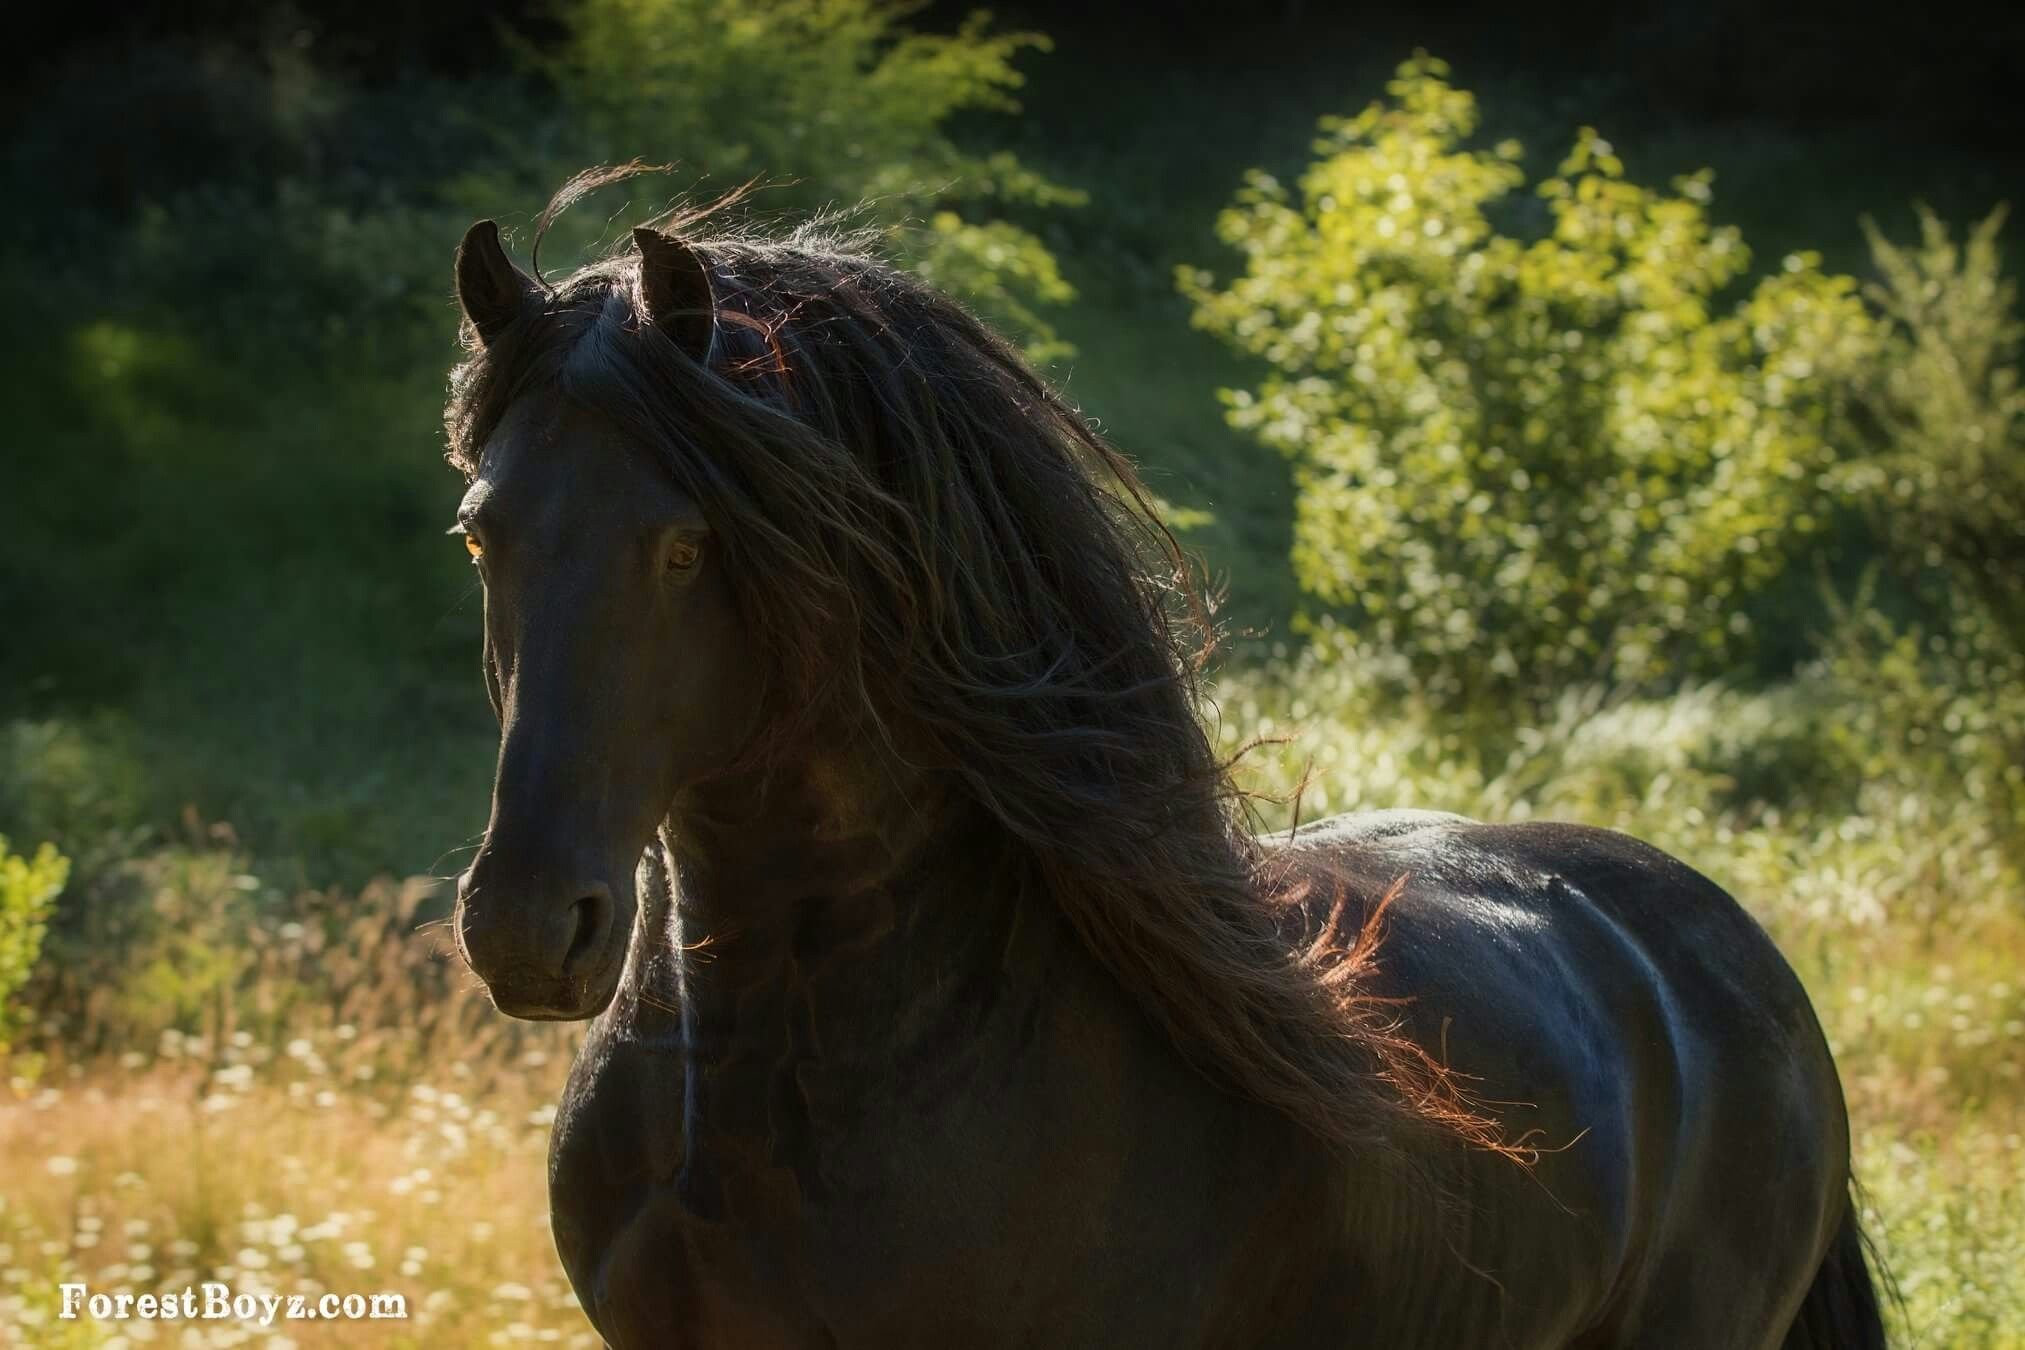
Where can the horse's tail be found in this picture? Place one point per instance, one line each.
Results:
(1841, 1310)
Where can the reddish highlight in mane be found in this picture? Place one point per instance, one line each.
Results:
(1422, 1078)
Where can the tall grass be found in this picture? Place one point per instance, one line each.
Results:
(279, 1171)
(290, 1094)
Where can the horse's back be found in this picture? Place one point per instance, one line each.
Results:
(1629, 1017)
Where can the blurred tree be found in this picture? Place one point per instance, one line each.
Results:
(1947, 484)
(1528, 457)
(831, 103)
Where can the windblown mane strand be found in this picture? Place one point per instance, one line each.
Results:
(946, 556)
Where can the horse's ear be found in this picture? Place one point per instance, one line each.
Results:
(675, 287)
(489, 287)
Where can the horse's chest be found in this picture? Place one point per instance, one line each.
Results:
(669, 1240)
(695, 1210)
(1094, 1192)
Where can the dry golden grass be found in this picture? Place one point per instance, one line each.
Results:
(355, 1119)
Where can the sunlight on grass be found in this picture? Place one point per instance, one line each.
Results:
(275, 1172)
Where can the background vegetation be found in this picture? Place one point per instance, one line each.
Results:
(1547, 472)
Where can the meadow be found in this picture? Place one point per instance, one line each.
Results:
(238, 662)
(394, 1138)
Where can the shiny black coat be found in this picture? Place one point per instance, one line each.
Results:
(919, 1114)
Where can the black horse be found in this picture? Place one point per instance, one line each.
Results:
(953, 1005)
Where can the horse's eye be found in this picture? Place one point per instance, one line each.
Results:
(473, 547)
(683, 555)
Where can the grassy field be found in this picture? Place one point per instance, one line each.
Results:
(282, 1176)
(396, 1141)
(274, 1079)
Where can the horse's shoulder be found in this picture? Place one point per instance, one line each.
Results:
(1364, 827)
(1560, 924)
(1443, 855)
(1509, 910)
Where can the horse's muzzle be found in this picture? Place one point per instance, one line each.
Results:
(546, 951)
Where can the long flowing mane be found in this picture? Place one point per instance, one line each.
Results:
(938, 549)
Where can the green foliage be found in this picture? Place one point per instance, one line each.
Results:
(28, 890)
(834, 103)
(77, 786)
(1944, 483)
(1934, 710)
(1948, 481)
(1522, 460)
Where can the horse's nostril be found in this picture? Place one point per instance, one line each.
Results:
(589, 916)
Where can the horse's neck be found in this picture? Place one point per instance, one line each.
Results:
(648, 1006)
(857, 947)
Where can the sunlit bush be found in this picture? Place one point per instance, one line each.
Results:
(28, 890)
(1527, 452)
